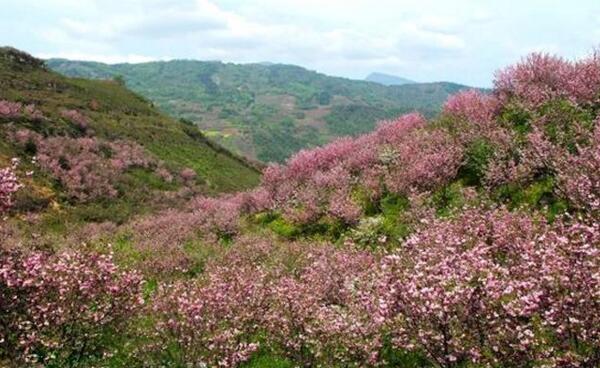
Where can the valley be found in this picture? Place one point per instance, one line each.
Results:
(266, 112)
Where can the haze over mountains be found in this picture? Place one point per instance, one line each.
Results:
(267, 111)
(388, 79)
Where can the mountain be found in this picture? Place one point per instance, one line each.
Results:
(95, 140)
(264, 111)
(388, 79)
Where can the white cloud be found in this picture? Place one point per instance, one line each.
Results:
(462, 40)
(103, 58)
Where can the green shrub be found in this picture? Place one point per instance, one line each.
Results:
(284, 228)
(448, 198)
(265, 360)
(516, 118)
(477, 157)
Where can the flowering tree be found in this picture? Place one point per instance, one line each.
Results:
(579, 175)
(493, 287)
(14, 110)
(213, 322)
(77, 118)
(10, 109)
(89, 167)
(58, 308)
(9, 184)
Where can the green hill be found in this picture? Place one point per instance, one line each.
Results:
(47, 105)
(265, 111)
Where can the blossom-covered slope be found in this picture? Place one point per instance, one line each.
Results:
(469, 240)
(99, 147)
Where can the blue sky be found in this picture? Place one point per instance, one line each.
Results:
(425, 40)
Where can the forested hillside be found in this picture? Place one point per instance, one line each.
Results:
(263, 111)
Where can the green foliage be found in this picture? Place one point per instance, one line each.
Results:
(288, 139)
(325, 228)
(265, 360)
(403, 359)
(252, 102)
(139, 177)
(516, 118)
(358, 119)
(563, 120)
(198, 253)
(448, 198)
(539, 195)
(284, 228)
(392, 207)
(369, 206)
(476, 160)
(385, 222)
(119, 79)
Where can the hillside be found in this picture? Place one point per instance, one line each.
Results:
(266, 111)
(471, 239)
(102, 151)
(388, 79)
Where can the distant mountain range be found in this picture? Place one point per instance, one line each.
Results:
(265, 111)
(388, 79)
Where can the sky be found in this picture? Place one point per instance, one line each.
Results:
(463, 41)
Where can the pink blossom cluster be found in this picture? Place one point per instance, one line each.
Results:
(219, 216)
(494, 288)
(164, 174)
(473, 116)
(314, 315)
(188, 175)
(540, 78)
(88, 167)
(579, 175)
(559, 140)
(58, 308)
(489, 287)
(126, 154)
(473, 106)
(402, 156)
(212, 321)
(573, 161)
(76, 117)
(159, 240)
(9, 184)
(14, 110)
(161, 237)
(324, 314)
(10, 109)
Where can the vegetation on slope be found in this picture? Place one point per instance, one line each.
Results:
(266, 112)
(471, 240)
(57, 119)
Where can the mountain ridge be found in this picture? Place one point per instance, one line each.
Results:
(267, 112)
